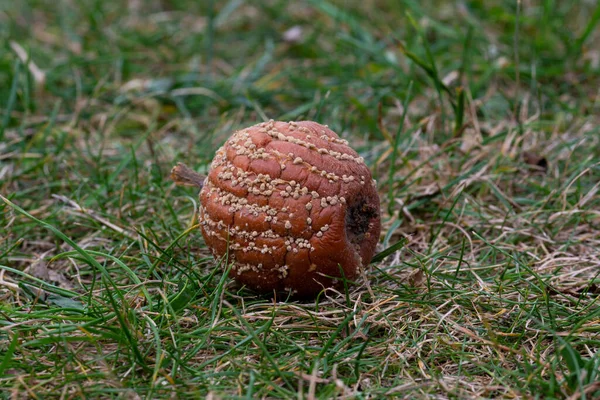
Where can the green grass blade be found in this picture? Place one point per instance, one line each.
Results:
(12, 98)
(390, 250)
(394, 155)
(6, 360)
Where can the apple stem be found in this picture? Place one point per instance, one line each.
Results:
(183, 175)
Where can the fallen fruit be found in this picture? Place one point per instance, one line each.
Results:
(291, 205)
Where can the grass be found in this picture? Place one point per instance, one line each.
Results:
(480, 121)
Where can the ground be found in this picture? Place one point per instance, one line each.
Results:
(479, 119)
